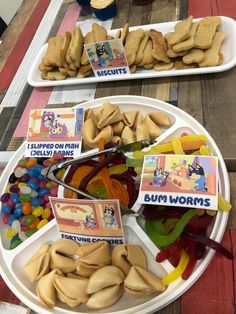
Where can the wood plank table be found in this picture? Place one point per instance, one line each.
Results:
(210, 99)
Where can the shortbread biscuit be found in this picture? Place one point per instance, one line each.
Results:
(206, 31)
(147, 54)
(212, 57)
(182, 31)
(172, 54)
(194, 56)
(159, 51)
(141, 48)
(132, 43)
(162, 66)
(188, 43)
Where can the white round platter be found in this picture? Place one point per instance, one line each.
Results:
(12, 261)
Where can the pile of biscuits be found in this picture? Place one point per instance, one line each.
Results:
(109, 123)
(90, 274)
(190, 45)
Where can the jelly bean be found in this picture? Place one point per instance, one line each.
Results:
(15, 243)
(14, 189)
(33, 185)
(46, 213)
(34, 193)
(10, 203)
(22, 236)
(24, 228)
(15, 238)
(43, 192)
(42, 223)
(19, 172)
(5, 197)
(29, 232)
(34, 224)
(21, 184)
(35, 202)
(42, 184)
(11, 219)
(18, 211)
(5, 218)
(12, 178)
(53, 191)
(48, 205)
(46, 163)
(31, 162)
(25, 190)
(50, 185)
(42, 201)
(29, 219)
(60, 174)
(41, 177)
(6, 209)
(32, 173)
(38, 168)
(16, 225)
(25, 198)
(10, 233)
(22, 163)
(26, 208)
(46, 198)
(37, 211)
(15, 198)
(25, 178)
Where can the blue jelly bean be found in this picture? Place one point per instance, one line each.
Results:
(6, 209)
(35, 202)
(43, 192)
(33, 185)
(39, 168)
(5, 197)
(41, 177)
(15, 198)
(18, 210)
(15, 238)
(11, 219)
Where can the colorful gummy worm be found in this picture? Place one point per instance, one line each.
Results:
(25, 203)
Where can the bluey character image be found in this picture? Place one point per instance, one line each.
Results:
(197, 175)
(159, 177)
(109, 216)
(102, 55)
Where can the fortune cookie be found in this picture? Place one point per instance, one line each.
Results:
(104, 277)
(129, 118)
(154, 129)
(142, 132)
(71, 291)
(105, 297)
(160, 118)
(109, 114)
(127, 136)
(118, 127)
(92, 256)
(140, 282)
(125, 256)
(91, 136)
(45, 289)
(38, 264)
(61, 253)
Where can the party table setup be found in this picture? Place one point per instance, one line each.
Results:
(118, 157)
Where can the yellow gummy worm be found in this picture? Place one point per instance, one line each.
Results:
(172, 276)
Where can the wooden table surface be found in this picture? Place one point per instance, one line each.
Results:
(209, 98)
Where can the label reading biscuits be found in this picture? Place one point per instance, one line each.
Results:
(54, 131)
(107, 58)
(88, 221)
(180, 180)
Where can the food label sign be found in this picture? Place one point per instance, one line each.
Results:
(88, 221)
(107, 58)
(179, 180)
(53, 131)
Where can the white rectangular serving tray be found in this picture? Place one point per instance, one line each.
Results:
(228, 49)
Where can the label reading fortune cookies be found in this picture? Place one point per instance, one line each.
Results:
(88, 221)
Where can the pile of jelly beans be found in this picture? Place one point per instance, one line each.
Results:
(25, 204)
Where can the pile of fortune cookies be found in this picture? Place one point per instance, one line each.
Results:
(92, 274)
